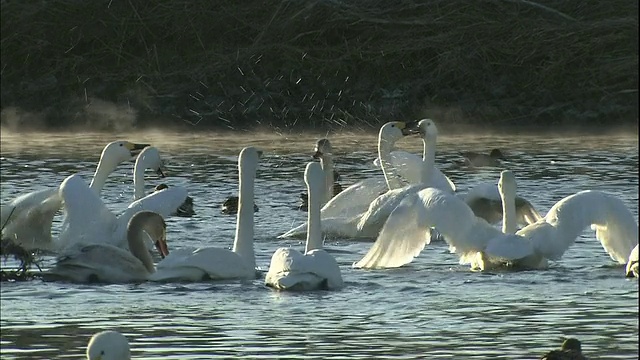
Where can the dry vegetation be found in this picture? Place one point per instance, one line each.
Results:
(318, 64)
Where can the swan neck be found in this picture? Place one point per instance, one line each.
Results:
(327, 167)
(509, 221)
(138, 248)
(314, 228)
(384, 154)
(428, 160)
(100, 177)
(243, 243)
(138, 181)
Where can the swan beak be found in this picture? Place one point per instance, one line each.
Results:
(317, 154)
(162, 170)
(161, 245)
(135, 148)
(411, 128)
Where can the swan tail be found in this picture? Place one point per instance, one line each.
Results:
(401, 239)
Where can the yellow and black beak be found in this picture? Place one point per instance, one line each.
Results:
(317, 154)
(162, 171)
(135, 148)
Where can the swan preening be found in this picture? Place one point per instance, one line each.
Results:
(316, 268)
(108, 345)
(479, 244)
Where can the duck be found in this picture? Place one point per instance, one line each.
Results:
(355, 199)
(474, 159)
(106, 263)
(212, 263)
(316, 269)
(571, 350)
(28, 218)
(478, 243)
(108, 345)
(230, 205)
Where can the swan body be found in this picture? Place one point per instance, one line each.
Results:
(355, 199)
(409, 166)
(476, 242)
(107, 263)
(89, 221)
(315, 269)
(108, 345)
(485, 201)
(27, 219)
(632, 264)
(220, 263)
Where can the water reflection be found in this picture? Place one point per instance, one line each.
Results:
(433, 308)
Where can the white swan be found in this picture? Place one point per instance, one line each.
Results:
(150, 158)
(316, 269)
(106, 263)
(485, 201)
(89, 221)
(108, 345)
(418, 170)
(220, 263)
(356, 198)
(324, 152)
(631, 269)
(476, 242)
(27, 219)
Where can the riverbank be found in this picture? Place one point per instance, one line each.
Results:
(319, 66)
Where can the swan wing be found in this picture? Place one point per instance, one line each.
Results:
(98, 263)
(379, 210)
(355, 199)
(526, 212)
(87, 219)
(402, 238)
(613, 222)
(27, 219)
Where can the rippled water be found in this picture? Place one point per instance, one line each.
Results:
(433, 308)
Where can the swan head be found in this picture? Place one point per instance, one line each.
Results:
(154, 225)
(394, 131)
(314, 177)
(149, 158)
(427, 129)
(323, 146)
(119, 151)
(108, 345)
(249, 159)
(507, 184)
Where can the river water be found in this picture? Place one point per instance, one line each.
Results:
(431, 309)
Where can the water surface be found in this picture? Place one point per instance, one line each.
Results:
(433, 308)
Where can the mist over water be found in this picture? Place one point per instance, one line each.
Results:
(433, 308)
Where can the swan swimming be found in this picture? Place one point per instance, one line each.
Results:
(108, 345)
(476, 242)
(27, 219)
(355, 199)
(316, 268)
(105, 263)
(220, 263)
